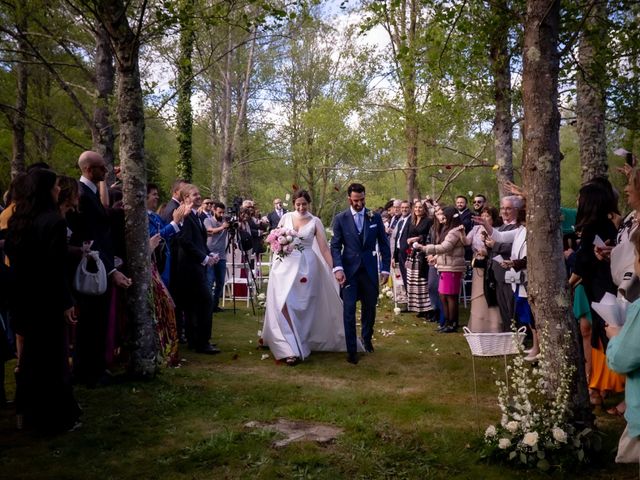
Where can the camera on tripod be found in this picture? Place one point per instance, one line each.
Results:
(232, 215)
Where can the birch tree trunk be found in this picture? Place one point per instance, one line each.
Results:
(232, 135)
(126, 44)
(500, 69)
(102, 132)
(590, 101)
(547, 286)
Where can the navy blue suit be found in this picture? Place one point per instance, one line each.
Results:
(355, 253)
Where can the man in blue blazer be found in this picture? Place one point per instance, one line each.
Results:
(355, 265)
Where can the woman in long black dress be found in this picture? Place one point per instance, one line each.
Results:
(37, 247)
(417, 267)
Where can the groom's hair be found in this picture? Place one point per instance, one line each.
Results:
(355, 187)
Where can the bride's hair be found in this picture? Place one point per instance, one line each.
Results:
(301, 194)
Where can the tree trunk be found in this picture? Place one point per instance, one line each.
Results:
(411, 172)
(22, 77)
(227, 137)
(541, 170)
(500, 69)
(102, 132)
(131, 122)
(590, 104)
(184, 114)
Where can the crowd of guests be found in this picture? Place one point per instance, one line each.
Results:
(435, 246)
(54, 226)
(61, 335)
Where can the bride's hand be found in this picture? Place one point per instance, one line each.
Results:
(339, 274)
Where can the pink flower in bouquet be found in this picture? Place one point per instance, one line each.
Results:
(283, 241)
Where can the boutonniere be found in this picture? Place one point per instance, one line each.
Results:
(369, 214)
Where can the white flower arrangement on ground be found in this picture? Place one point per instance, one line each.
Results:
(535, 429)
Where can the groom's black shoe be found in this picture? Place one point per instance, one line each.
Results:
(352, 358)
(368, 347)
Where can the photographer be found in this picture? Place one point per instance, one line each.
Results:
(217, 232)
(258, 228)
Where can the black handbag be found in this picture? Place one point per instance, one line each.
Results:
(490, 286)
(160, 256)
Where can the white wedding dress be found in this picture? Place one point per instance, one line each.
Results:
(303, 281)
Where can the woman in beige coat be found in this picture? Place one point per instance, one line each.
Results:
(449, 251)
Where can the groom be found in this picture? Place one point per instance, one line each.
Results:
(353, 248)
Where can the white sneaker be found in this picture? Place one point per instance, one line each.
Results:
(532, 358)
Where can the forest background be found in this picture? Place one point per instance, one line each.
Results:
(250, 98)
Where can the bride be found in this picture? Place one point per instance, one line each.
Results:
(304, 309)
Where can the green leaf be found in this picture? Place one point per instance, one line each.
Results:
(581, 455)
(540, 454)
(512, 455)
(523, 458)
(543, 465)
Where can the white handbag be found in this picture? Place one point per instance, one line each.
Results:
(90, 283)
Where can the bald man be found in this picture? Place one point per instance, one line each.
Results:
(91, 223)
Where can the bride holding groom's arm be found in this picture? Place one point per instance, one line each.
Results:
(303, 309)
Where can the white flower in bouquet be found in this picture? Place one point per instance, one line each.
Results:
(530, 439)
(283, 240)
(262, 297)
(380, 296)
(490, 431)
(396, 311)
(389, 294)
(559, 435)
(289, 239)
(504, 443)
(512, 426)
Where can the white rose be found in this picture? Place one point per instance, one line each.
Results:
(504, 443)
(512, 426)
(390, 294)
(282, 240)
(559, 435)
(380, 296)
(289, 238)
(490, 431)
(530, 439)
(262, 296)
(396, 311)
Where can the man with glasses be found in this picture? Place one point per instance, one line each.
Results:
(206, 209)
(479, 202)
(509, 207)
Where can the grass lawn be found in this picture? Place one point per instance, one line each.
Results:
(408, 411)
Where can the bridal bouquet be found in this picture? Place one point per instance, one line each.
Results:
(283, 241)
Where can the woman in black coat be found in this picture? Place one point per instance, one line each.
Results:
(37, 248)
